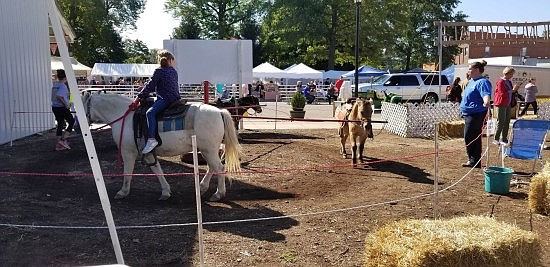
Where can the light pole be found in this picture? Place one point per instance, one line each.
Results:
(357, 5)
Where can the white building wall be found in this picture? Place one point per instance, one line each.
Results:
(25, 79)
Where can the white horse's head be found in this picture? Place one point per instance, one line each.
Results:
(104, 107)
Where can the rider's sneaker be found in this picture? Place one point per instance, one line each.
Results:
(59, 146)
(64, 144)
(151, 144)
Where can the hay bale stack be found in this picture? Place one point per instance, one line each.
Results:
(462, 241)
(539, 192)
(451, 129)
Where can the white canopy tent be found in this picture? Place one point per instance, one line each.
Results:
(80, 70)
(124, 70)
(302, 71)
(266, 70)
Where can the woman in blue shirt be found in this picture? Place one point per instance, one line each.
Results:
(474, 106)
(165, 83)
(62, 110)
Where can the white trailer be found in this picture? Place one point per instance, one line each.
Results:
(216, 61)
(523, 73)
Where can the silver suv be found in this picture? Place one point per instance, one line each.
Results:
(411, 86)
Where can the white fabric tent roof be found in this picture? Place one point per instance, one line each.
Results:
(124, 70)
(302, 71)
(266, 70)
(79, 68)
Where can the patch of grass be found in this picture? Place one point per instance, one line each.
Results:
(288, 256)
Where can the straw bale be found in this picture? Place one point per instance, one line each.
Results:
(539, 191)
(462, 241)
(529, 117)
(451, 129)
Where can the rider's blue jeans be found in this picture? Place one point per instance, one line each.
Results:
(159, 105)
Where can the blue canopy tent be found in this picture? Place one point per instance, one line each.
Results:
(450, 73)
(366, 72)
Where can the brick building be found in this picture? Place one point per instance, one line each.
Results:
(525, 49)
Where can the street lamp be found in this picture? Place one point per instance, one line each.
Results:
(357, 5)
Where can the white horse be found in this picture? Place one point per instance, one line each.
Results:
(211, 126)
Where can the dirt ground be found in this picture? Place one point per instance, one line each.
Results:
(323, 208)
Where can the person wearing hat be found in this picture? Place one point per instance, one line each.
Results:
(61, 109)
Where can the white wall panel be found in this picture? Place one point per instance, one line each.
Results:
(25, 79)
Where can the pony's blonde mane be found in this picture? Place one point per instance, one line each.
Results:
(354, 114)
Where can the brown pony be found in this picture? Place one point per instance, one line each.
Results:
(358, 128)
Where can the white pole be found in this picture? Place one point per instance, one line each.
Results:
(440, 52)
(12, 125)
(436, 173)
(276, 109)
(198, 199)
(83, 122)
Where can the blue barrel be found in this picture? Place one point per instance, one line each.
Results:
(497, 180)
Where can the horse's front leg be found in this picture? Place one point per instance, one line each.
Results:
(361, 148)
(164, 186)
(129, 160)
(354, 152)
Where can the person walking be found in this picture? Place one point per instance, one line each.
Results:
(339, 84)
(165, 83)
(455, 94)
(530, 96)
(504, 91)
(61, 109)
(473, 107)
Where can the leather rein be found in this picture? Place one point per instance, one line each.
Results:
(123, 118)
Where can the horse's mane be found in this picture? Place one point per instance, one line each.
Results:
(116, 97)
(354, 114)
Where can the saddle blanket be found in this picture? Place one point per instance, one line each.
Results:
(171, 124)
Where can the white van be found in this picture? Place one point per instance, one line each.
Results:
(411, 86)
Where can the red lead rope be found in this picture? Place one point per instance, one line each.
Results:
(119, 156)
(123, 118)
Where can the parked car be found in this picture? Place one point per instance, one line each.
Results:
(411, 86)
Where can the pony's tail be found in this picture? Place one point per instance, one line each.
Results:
(231, 141)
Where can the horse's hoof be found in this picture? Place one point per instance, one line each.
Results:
(120, 195)
(215, 197)
(164, 197)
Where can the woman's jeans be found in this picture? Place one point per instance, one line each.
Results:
(159, 105)
(504, 114)
(473, 125)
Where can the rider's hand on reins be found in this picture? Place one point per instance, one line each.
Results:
(134, 105)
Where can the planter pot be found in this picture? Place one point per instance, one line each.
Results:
(298, 114)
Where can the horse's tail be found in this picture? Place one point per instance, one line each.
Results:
(231, 141)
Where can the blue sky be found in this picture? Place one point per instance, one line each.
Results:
(478, 11)
(505, 10)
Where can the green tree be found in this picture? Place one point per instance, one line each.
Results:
(188, 29)
(136, 51)
(321, 33)
(413, 32)
(124, 13)
(216, 19)
(96, 24)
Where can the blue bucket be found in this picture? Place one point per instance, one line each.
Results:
(497, 180)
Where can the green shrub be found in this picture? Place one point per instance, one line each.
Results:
(298, 101)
